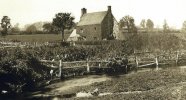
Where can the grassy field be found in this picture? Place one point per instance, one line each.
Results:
(34, 38)
(169, 84)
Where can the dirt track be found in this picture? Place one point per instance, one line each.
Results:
(69, 85)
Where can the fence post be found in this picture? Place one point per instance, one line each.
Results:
(156, 61)
(126, 69)
(99, 65)
(88, 67)
(136, 59)
(60, 68)
(177, 57)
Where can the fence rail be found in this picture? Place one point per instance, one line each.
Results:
(136, 61)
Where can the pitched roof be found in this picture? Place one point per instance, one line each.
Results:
(92, 18)
(73, 36)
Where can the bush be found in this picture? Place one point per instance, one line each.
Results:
(20, 71)
(155, 42)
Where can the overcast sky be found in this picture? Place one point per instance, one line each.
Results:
(29, 11)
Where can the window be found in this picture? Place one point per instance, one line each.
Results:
(95, 38)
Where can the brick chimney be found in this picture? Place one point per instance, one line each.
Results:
(83, 11)
(109, 9)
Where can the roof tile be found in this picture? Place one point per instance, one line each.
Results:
(92, 18)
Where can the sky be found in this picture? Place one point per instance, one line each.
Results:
(30, 11)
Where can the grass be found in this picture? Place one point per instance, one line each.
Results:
(165, 84)
(155, 85)
(149, 82)
(40, 38)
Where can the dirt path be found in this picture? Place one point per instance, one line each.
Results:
(68, 85)
(80, 82)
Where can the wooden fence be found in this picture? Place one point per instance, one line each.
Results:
(76, 65)
(137, 60)
(159, 59)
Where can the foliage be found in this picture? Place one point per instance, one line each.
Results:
(23, 64)
(39, 25)
(48, 27)
(165, 27)
(31, 29)
(63, 21)
(142, 23)
(149, 25)
(128, 22)
(158, 42)
(20, 70)
(184, 26)
(5, 24)
(15, 29)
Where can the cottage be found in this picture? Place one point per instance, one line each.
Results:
(73, 36)
(97, 25)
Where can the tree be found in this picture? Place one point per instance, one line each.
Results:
(142, 24)
(39, 25)
(165, 27)
(5, 24)
(184, 26)
(149, 25)
(128, 22)
(31, 29)
(16, 28)
(48, 27)
(63, 21)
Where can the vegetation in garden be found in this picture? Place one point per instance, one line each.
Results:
(23, 64)
(20, 71)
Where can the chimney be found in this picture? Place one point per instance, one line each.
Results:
(109, 9)
(83, 11)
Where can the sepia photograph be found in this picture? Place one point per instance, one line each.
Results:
(92, 50)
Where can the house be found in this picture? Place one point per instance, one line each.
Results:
(97, 25)
(73, 36)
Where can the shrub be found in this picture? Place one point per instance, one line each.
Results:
(20, 71)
